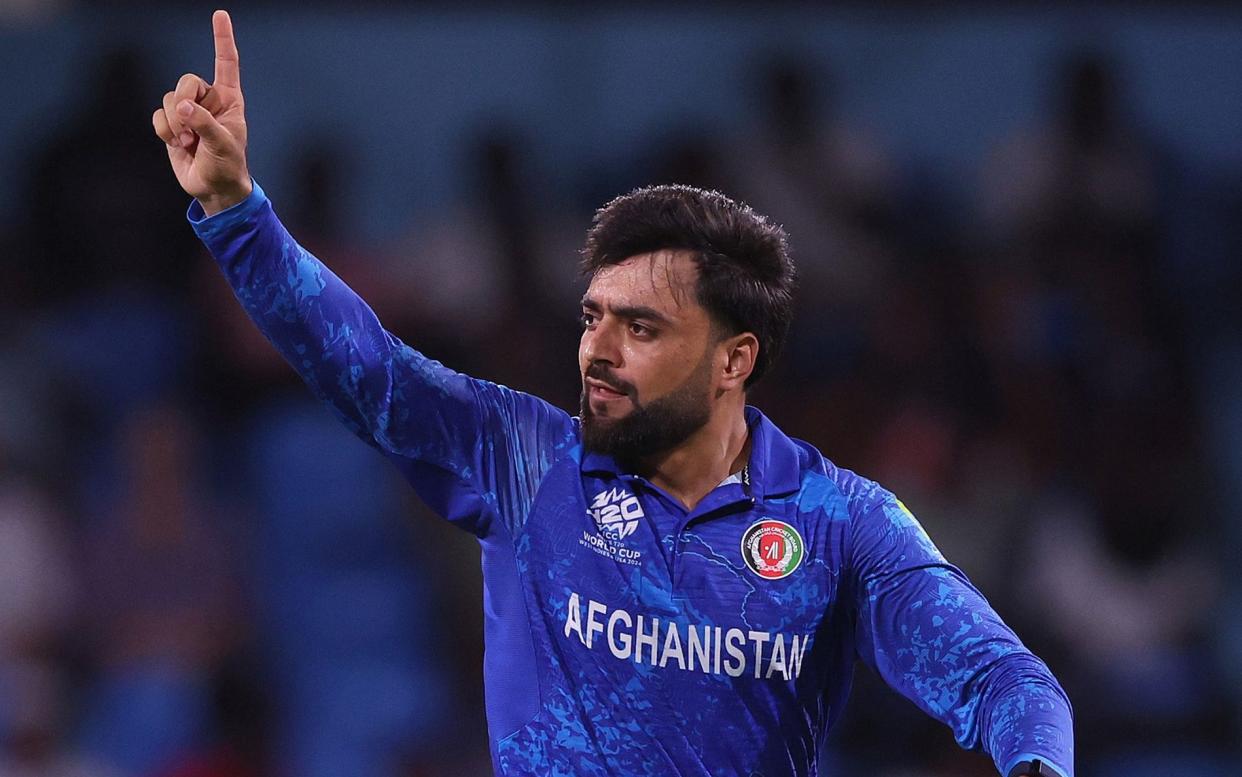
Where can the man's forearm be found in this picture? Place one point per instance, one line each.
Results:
(321, 327)
(1027, 720)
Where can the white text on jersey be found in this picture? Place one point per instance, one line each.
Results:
(705, 648)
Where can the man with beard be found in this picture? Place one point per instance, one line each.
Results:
(673, 585)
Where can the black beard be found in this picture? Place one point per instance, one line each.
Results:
(658, 426)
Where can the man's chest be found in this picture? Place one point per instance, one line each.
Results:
(736, 588)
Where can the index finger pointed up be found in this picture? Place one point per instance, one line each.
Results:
(228, 71)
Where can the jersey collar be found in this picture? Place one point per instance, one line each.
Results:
(774, 464)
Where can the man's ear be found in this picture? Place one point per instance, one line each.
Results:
(741, 354)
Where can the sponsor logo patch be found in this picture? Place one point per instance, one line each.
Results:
(772, 549)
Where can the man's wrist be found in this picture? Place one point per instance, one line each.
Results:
(209, 227)
(225, 200)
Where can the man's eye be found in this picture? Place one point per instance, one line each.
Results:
(588, 320)
(640, 330)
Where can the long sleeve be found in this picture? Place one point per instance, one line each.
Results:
(935, 639)
(474, 450)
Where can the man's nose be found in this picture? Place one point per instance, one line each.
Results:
(601, 345)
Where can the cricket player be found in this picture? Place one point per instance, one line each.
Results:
(673, 586)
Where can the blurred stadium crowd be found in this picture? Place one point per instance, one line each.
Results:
(201, 575)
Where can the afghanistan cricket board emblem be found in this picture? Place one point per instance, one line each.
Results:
(772, 549)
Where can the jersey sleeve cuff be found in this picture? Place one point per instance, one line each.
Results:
(208, 226)
(1050, 767)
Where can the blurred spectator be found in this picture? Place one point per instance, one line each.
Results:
(33, 733)
(38, 593)
(37, 579)
(499, 262)
(831, 182)
(37, 601)
(103, 261)
(98, 192)
(1085, 350)
(162, 596)
(1088, 166)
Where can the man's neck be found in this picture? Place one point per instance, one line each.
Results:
(690, 471)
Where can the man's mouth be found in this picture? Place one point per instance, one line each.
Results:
(597, 389)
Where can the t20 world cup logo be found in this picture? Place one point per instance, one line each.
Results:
(616, 513)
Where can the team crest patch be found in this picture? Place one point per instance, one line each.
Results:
(772, 549)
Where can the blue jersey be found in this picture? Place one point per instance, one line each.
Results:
(626, 635)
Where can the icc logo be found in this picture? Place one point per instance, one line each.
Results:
(616, 513)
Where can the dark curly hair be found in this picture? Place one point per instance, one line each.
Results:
(746, 278)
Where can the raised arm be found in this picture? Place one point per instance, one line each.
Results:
(474, 450)
(934, 638)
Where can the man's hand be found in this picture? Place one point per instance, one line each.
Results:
(205, 128)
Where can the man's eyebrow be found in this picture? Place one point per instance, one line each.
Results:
(629, 311)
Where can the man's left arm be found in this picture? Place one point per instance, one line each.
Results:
(934, 638)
